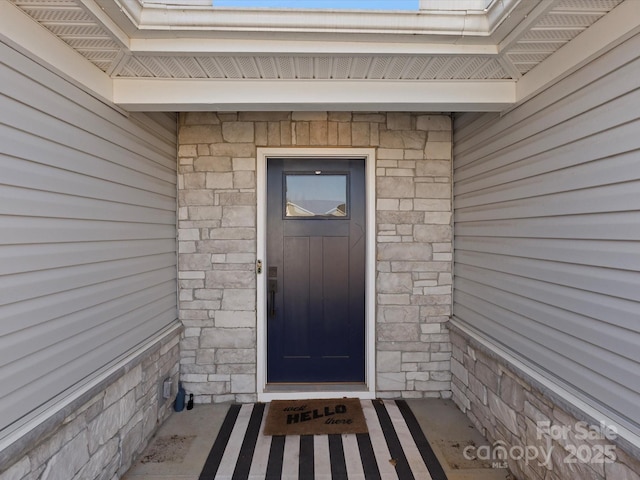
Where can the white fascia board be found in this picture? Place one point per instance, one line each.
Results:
(132, 9)
(500, 11)
(197, 18)
(312, 95)
(248, 46)
(611, 30)
(177, 2)
(454, 4)
(492, 12)
(21, 32)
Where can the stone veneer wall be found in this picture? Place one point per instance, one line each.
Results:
(217, 243)
(506, 407)
(100, 435)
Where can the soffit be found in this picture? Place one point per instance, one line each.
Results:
(141, 40)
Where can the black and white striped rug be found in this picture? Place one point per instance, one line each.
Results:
(394, 448)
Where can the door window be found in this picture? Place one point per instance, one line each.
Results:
(316, 195)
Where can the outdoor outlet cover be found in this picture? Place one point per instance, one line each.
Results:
(166, 388)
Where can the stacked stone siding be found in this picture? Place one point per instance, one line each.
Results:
(217, 243)
(510, 411)
(99, 437)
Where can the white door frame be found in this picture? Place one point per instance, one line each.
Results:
(316, 391)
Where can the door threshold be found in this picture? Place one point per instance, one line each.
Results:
(314, 387)
(307, 391)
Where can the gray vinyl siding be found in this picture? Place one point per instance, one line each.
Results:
(547, 230)
(87, 233)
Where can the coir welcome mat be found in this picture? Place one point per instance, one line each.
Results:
(315, 417)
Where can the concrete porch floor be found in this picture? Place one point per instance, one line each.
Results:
(192, 433)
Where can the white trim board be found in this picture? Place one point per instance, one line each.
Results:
(303, 392)
(231, 95)
(51, 414)
(562, 394)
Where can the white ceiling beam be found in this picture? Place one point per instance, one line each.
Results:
(611, 30)
(298, 46)
(21, 32)
(312, 95)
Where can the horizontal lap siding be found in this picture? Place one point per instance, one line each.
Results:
(87, 233)
(547, 230)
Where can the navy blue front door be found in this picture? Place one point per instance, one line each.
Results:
(315, 270)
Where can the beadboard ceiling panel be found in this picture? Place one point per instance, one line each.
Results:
(324, 67)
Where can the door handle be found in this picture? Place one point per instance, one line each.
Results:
(273, 288)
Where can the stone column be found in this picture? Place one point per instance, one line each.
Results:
(414, 255)
(217, 233)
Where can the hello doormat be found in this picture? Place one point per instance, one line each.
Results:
(315, 417)
(394, 447)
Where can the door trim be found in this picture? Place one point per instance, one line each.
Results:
(304, 391)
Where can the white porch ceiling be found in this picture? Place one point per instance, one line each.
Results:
(133, 42)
